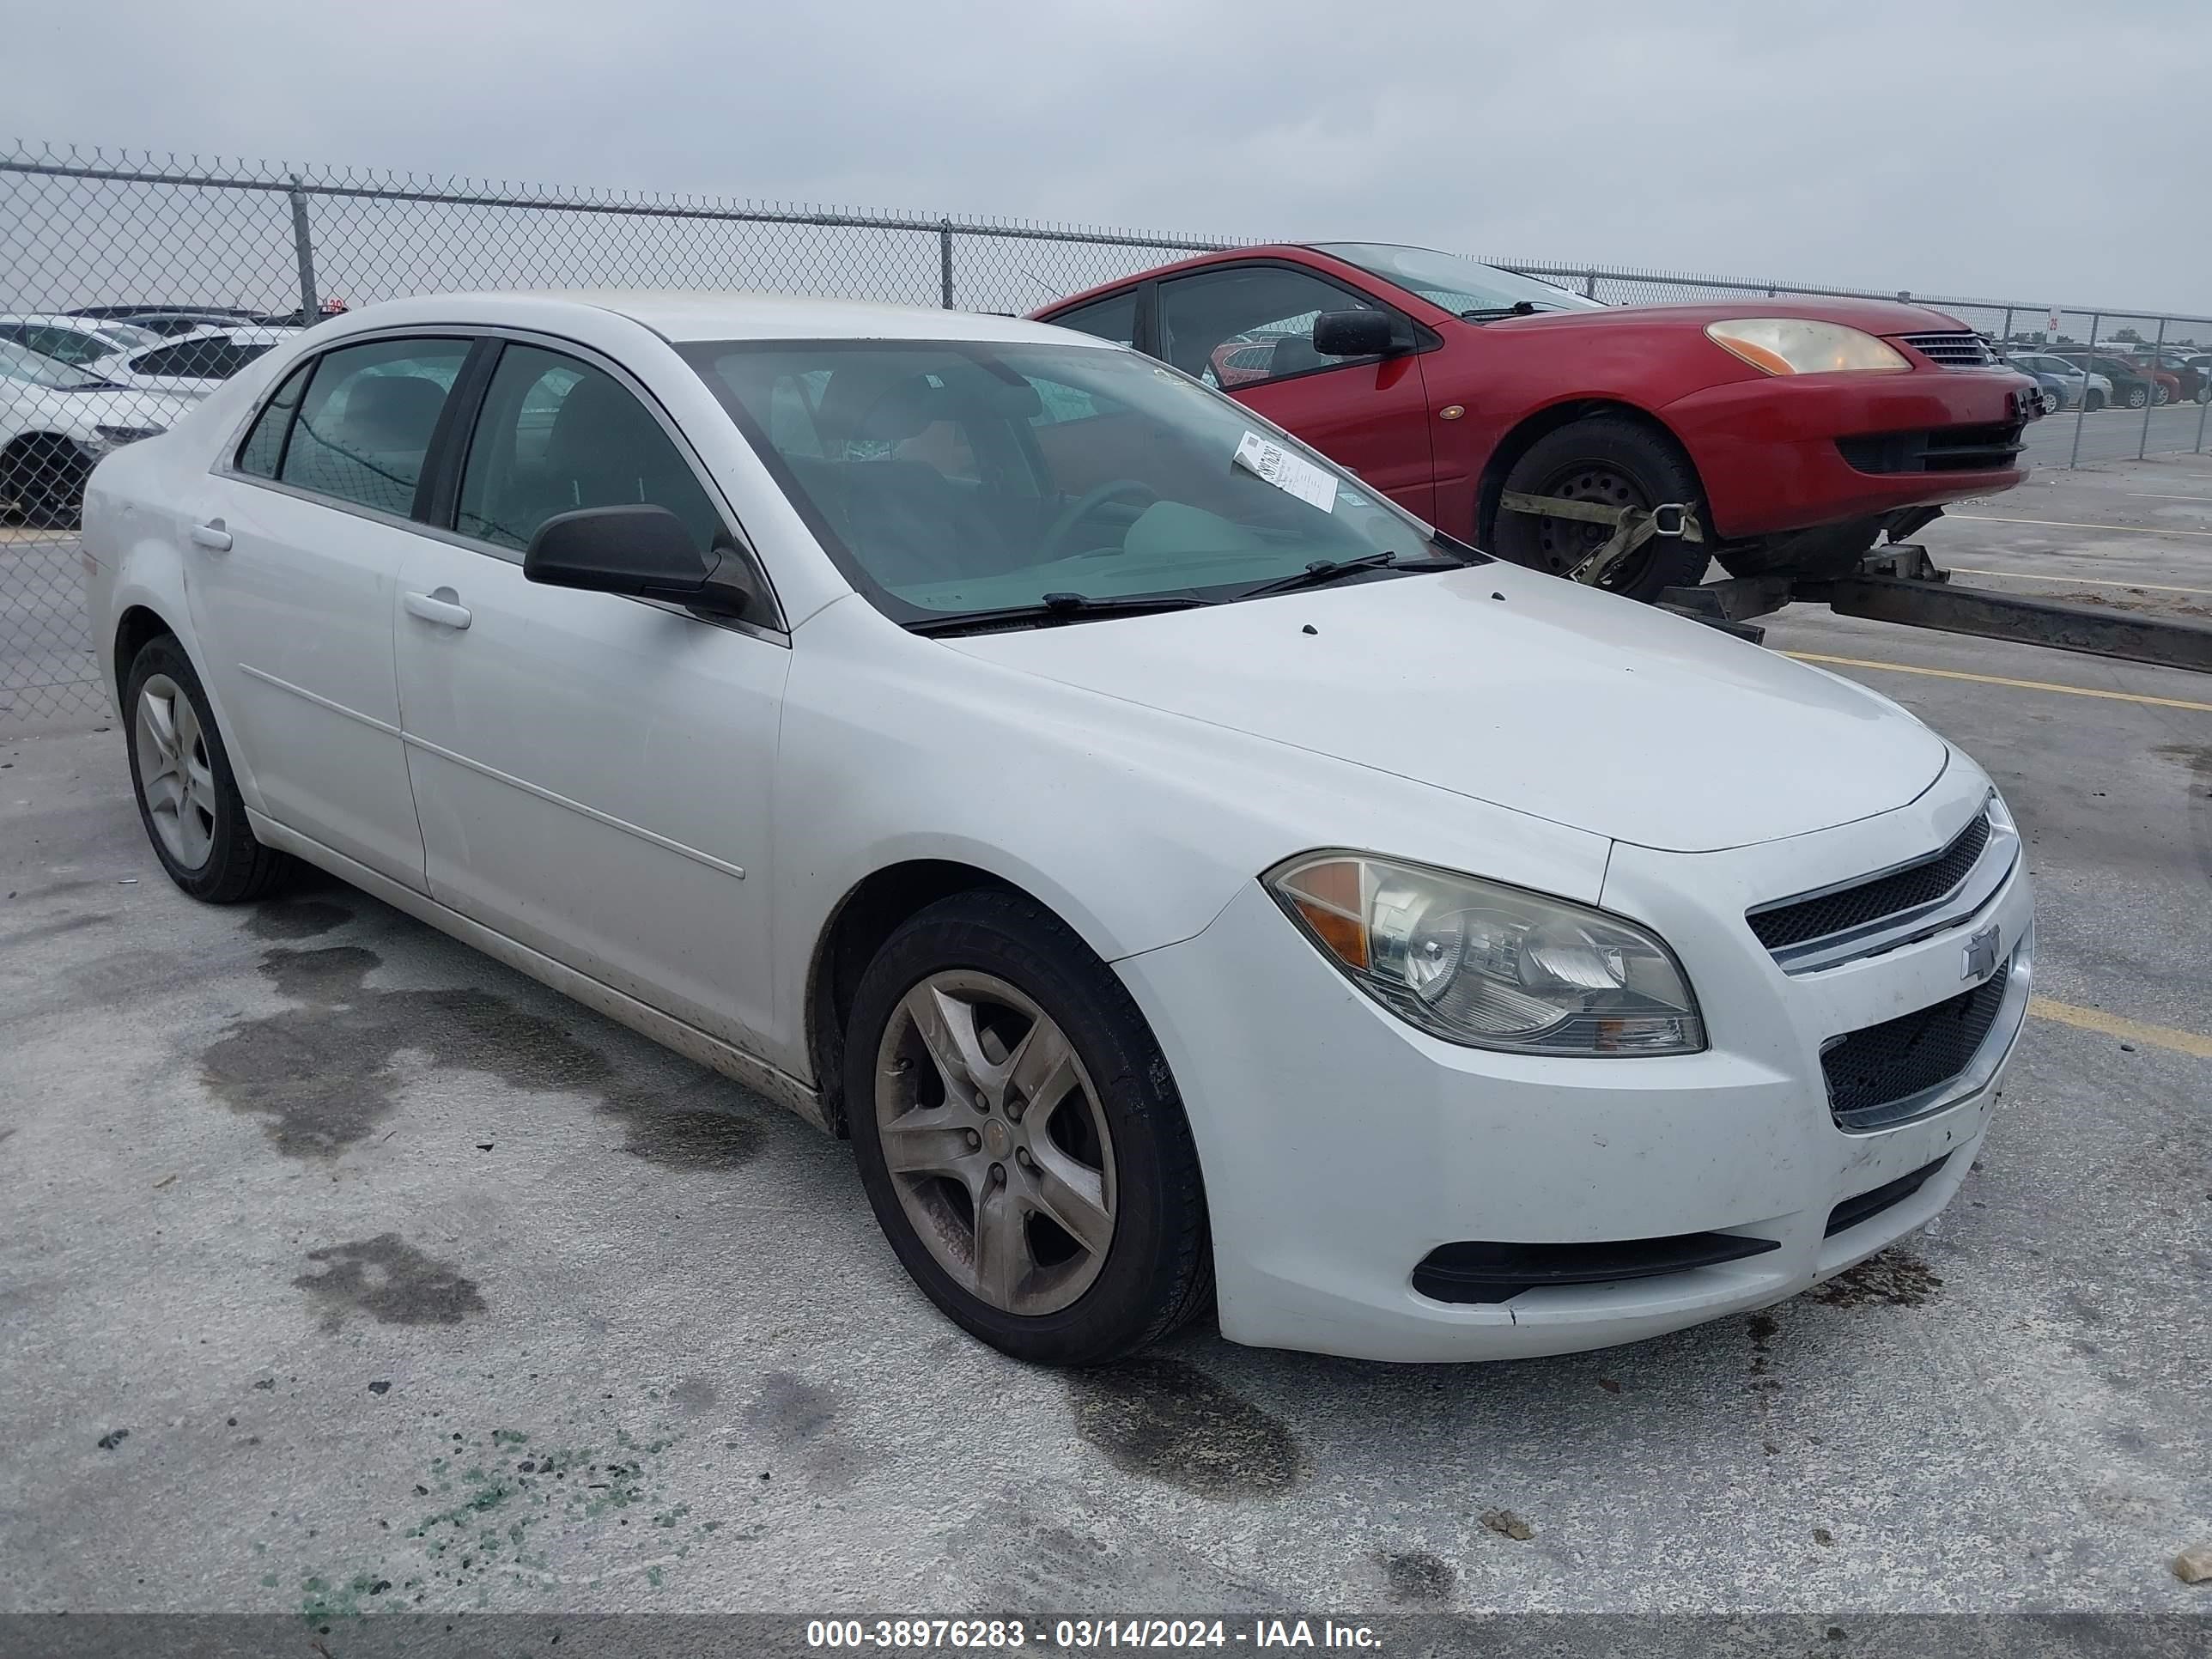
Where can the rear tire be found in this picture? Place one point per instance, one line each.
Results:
(188, 797)
(2138, 397)
(2165, 396)
(1067, 1109)
(1617, 462)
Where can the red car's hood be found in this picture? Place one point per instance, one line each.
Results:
(1873, 316)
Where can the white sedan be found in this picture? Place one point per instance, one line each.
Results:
(56, 422)
(1189, 880)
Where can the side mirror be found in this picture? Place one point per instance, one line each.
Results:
(641, 552)
(1359, 334)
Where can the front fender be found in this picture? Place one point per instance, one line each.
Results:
(1136, 827)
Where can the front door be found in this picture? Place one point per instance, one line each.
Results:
(292, 560)
(592, 773)
(1248, 330)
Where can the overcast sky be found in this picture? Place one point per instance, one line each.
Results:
(2044, 151)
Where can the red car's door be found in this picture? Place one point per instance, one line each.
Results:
(1248, 329)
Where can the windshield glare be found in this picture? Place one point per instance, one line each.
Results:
(954, 476)
(1453, 283)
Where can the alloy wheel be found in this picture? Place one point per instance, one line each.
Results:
(995, 1142)
(174, 772)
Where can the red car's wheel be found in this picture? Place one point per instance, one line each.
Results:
(1613, 462)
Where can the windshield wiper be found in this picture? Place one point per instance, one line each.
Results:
(1327, 570)
(1518, 308)
(1054, 609)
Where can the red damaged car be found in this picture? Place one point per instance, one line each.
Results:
(1773, 435)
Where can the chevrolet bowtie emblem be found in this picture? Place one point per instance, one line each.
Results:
(1981, 954)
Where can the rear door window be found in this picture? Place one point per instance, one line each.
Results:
(264, 448)
(365, 426)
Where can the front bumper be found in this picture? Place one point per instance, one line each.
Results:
(1765, 449)
(1341, 1147)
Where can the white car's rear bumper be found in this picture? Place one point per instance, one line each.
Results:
(1341, 1146)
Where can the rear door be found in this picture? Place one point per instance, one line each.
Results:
(1248, 329)
(291, 557)
(593, 771)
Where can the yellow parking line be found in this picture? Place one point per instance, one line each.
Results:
(2068, 523)
(1995, 679)
(2085, 581)
(2115, 1025)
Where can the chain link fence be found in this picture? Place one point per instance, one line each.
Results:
(256, 248)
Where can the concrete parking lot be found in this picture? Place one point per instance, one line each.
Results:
(343, 1270)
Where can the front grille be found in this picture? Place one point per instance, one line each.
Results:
(1959, 350)
(1475, 1271)
(1988, 448)
(1908, 889)
(1873, 1072)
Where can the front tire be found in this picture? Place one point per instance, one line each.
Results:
(188, 797)
(2164, 396)
(2138, 397)
(1019, 1137)
(1614, 463)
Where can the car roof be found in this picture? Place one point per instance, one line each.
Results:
(678, 315)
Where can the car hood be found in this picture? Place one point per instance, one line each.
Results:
(1885, 317)
(1519, 689)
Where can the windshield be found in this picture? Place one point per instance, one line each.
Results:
(950, 478)
(23, 364)
(1454, 284)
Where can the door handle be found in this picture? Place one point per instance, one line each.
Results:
(439, 608)
(212, 536)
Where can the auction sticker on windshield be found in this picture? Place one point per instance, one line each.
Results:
(1302, 478)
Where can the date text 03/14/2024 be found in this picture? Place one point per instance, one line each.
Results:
(1083, 1635)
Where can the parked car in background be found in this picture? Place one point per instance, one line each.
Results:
(1790, 433)
(55, 422)
(191, 365)
(73, 340)
(2136, 386)
(2075, 384)
(187, 320)
(2186, 368)
(1172, 864)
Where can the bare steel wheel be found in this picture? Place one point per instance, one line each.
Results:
(1020, 1137)
(174, 772)
(994, 1137)
(1611, 461)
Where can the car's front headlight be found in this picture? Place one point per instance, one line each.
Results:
(1490, 966)
(1798, 345)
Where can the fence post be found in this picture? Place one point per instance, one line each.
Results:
(944, 262)
(303, 245)
(2142, 444)
(2203, 404)
(2088, 367)
(2005, 338)
(1589, 285)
